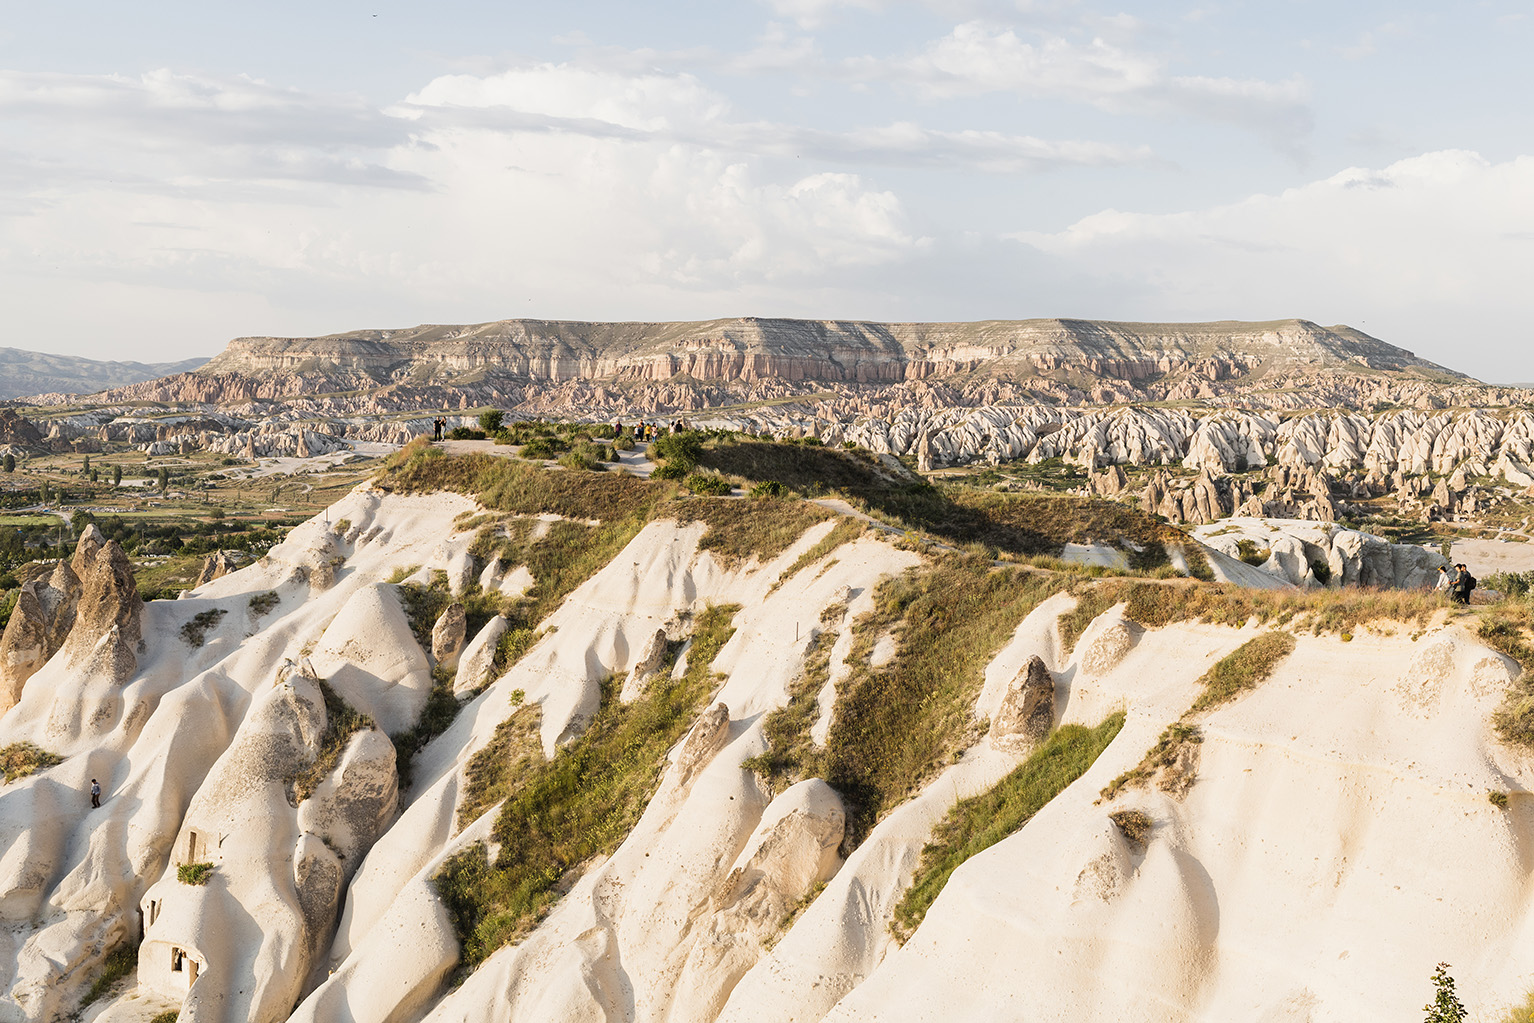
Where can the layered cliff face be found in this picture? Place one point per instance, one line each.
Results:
(1316, 838)
(526, 360)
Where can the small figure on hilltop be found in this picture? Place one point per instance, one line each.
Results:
(95, 794)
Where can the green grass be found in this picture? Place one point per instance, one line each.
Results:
(119, 962)
(975, 824)
(896, 726)
(195, 874)
(20, 759)
(791, 756)
(1243, 668)
(262, 603)
(491, 772)
(342, 721)
(757, 527)
(561, 812)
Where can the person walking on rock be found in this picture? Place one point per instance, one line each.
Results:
(95, 794)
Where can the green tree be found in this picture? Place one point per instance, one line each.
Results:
(164, 479)
(117, 475)
(10, 462)
(95, 476)
(44, 495)
(86, 468)
(490, 421)
(1446, 1006)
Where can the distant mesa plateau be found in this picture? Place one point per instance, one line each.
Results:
(770, 671)
(537, 365)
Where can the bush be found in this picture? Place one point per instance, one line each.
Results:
(490, 422)
(464, 433)
(708, 484)
(580, 462)
(1497, 798)
(537, 449)
(769, 488)
(20, 759)
(168, 1016)
(194, 632)
(682, 448)
(670, 471)
(195, 874)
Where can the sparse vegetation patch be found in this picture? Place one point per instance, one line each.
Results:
(20, 759)
(582, 803)
(975, 824)
(342, 721)
(121, 961)
(194, 632)
(1243, 668)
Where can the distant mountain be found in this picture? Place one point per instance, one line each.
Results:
(24, 373)
(542, 363)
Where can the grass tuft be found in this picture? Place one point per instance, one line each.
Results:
(1134, 824)
(195, 874)
(20, 759)
(975, 824)
(491, 772)
(121, 961)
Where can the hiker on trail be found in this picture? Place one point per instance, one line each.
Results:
(95, 794)
(1461, 584)
(1443, 578)
(436, 429)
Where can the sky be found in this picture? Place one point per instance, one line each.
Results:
(175, 174)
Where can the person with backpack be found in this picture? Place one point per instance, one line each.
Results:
(1461, 585)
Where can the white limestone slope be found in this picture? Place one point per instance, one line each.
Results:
(1337, 843)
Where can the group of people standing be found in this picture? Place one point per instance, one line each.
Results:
(1459, 582)
(438, 427)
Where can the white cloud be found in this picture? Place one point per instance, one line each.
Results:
(979, 57)
(1430, 252)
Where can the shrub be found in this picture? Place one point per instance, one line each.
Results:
(1497, 798)
(975, 824)
(670, 471)
(1171, 757)
(195, 874)
(708, 484)
(262, 603)
(168, 1016)
(537, 449)
(1445, 1006)
(20, 759)
(490, 421)
(465, 433)
(768, 488)
(679, 448)
(194, 632)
